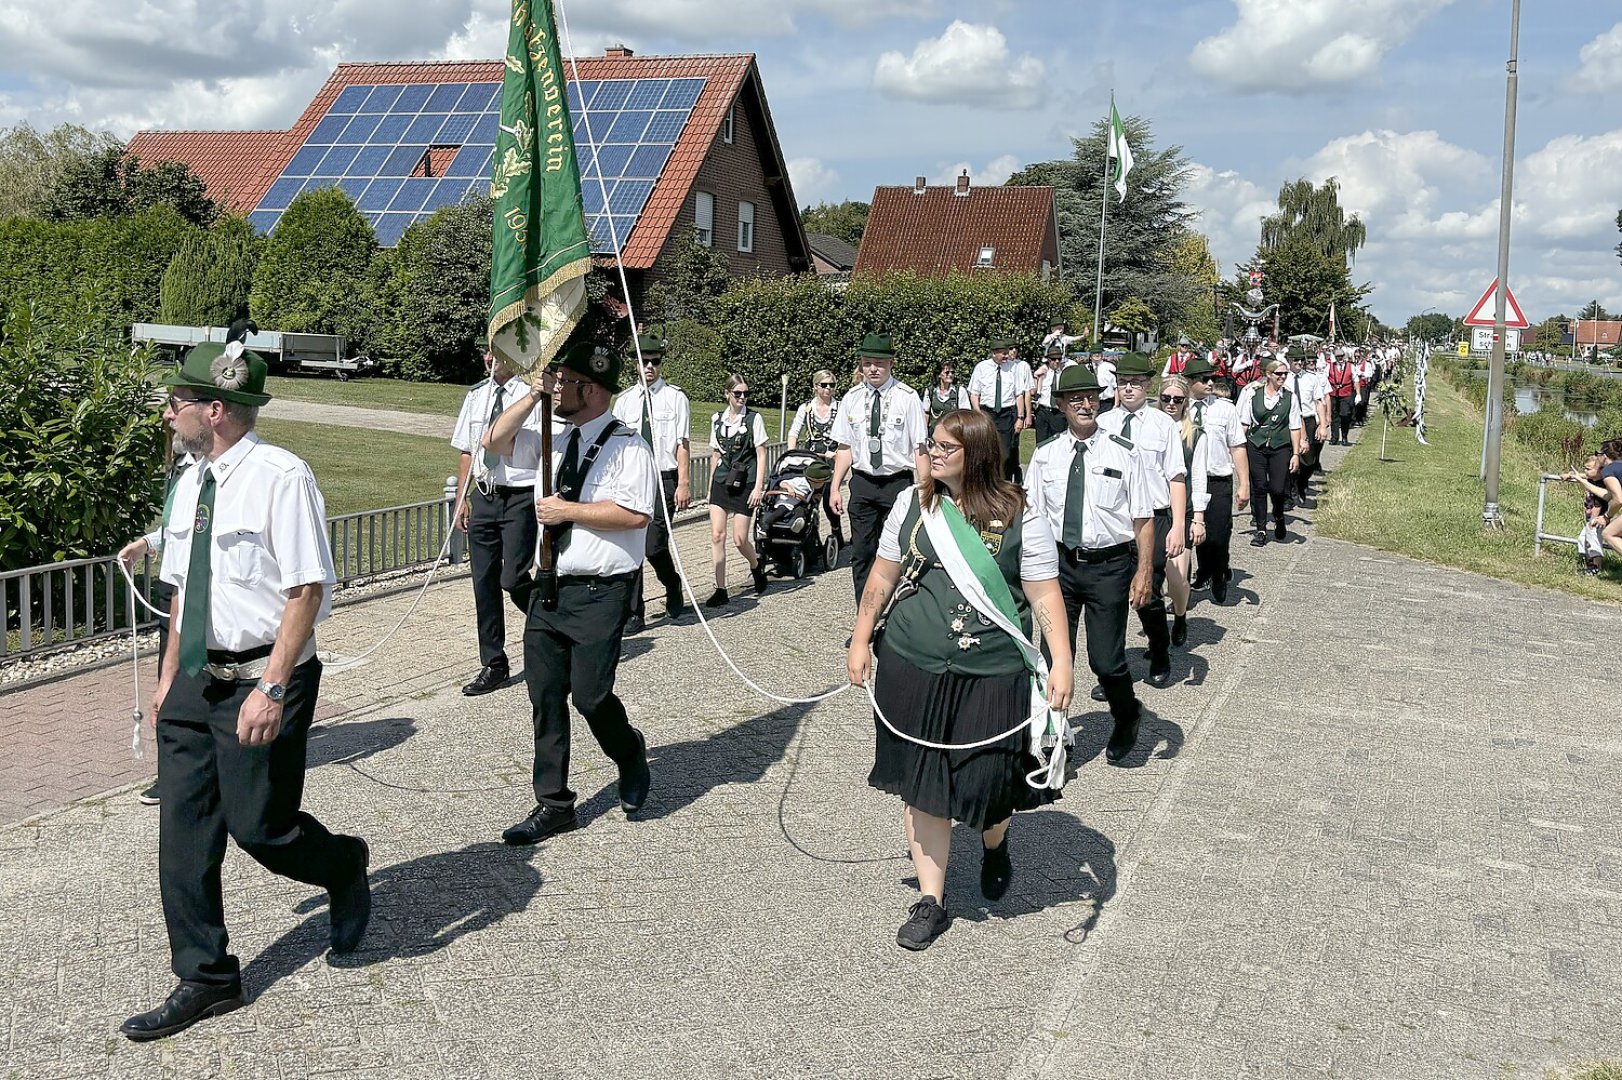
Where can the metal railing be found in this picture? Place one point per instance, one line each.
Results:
(83, 600)
(1539, 537)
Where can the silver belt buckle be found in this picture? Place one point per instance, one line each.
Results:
(223, 672)
(245, 671)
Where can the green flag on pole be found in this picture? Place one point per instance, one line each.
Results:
(539, 255)
(1120, 151)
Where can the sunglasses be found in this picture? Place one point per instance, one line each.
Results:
(826, 385)
(738, 393)
(1171, 399)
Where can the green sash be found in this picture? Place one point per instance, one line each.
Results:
(981, 563)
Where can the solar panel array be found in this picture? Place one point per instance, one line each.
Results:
(374, 138)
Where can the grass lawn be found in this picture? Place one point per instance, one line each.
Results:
(366, 470)
(1426, 503)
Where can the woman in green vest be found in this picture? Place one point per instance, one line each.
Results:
(949, 670)
(946, 395)
(1272, 420)
(1174, 403)
(737, 484)
(811, 429)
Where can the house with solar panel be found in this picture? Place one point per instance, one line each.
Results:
(670, 148)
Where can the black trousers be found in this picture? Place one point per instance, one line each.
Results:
(664, 567)
(574, 652)
(1049, 422)
(1098, 594)
(1269, 479)
(501, 546)
(1340, 417)
(871, 498)
(1213, 556)
(211, 786)
(1004, 420)
(833, 518)
(1302, 481)
(1360, 412)
(1153, 614)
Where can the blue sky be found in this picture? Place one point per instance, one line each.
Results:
(1401, 99)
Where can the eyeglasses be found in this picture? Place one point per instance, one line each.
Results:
(572, 382)
(738, 393)
(1136, 381)
(178, 403)
(1171, 399)
(944, 449)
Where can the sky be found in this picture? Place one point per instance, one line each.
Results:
(1401, 100)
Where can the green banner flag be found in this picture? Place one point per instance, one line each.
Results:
(539, 255)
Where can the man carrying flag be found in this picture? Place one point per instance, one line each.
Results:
(595, 499)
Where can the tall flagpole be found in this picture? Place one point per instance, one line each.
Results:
(1103, 217)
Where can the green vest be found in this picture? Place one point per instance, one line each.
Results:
(736, 449)
(936, 630)
(939, 408)
(1272, 426)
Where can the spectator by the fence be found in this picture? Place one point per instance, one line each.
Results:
(1590, 548)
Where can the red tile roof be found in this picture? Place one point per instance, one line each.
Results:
(1597, 332)
(724, 75)
(235, 166)
(939, 231)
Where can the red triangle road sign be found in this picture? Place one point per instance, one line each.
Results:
(1482, 313)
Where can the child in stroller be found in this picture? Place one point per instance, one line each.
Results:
(787, 530)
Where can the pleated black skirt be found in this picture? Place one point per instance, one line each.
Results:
(976, 787)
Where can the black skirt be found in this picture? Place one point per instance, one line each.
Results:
(976, 787)
(732, 504)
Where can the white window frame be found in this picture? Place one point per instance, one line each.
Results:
(704, 217)
(746, 226)
(988, 257)
(727, 123)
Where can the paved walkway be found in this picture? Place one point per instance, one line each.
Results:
(431, 425)
(1366, 836)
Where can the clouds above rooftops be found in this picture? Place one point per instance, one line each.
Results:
(969, 64)
(1297, 46)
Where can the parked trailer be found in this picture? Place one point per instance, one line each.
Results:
(283, 351)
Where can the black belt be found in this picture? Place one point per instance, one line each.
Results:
(1097, 555)
(669, 472)
(1209, 480)
(512, 489)
(877, 479)
(998, 412)
(595, 579)
(1164, 511)
(226, 656)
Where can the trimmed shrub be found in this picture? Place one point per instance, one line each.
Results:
(210, 277)
(314, 275)
(694, 361)
(434, 300)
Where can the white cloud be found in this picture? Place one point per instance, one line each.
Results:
(1601, 64)
(813, 182)
(1294, 46)
(704, 20)
(995, 174)
(1569, 188)
(1399, 179)
(969, 64)
(1230, 211)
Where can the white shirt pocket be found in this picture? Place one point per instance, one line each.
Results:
(243, 546)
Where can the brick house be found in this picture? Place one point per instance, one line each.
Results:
(679, 145)
(960, 229)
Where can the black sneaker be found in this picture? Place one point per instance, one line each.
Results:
(1280, 532)
(1259, 539)
(996, 871)
(149, 797)
(718, 598)
(926, 921)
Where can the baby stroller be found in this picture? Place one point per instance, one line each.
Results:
(788, 532)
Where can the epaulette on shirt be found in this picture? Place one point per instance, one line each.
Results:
(1050, 438)
(1123, 442)
(478, 384)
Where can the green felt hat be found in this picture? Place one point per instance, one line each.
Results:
(222, 373)
(1134, 364)
(600, 365)
(877, 346)
(1297, 352)
(652, 342)
(1001, 343)
(1076, 379)
(818, 470)
(1199, 368)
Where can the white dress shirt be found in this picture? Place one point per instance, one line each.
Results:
(730, 424)
(1160, 443)
(1117, 488)
(1038, 553)
(1309, 389)
(1105, 371)
(623, 474)
(269, 536)
(1044, 395)
(671, 415)
(1223, 432)
(471, 424)
(902, 431)
(1247, 406)
(1015, 376)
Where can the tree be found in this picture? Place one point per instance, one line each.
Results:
(209, 279)
(1304, 282)
(1133, 315)
(1593, 311)
(435, 298)
(1547, 334)
(30, 163)
(314, 274)
(1431, 326)
(1143, 233)
(109, 184)
(845, 220)
(1315, 212)
(692, 277)
(1191, 259)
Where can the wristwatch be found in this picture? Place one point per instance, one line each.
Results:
(275, 691)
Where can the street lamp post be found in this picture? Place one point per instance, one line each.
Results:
(1491, 516)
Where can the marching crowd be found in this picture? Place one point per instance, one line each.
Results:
(972, 576)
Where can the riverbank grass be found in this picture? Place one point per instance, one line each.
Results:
(1425, 503)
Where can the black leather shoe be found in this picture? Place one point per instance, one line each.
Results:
(635, 780)
(187, 1003)
(1160, 673)
(350, 905)
(675, 608)
(1280, 532)
(490, 678)
(996, 871)
(1179, 630)
(759, 576)
(1099, 695)
(1121, 740)
(718, 598)
(543, 821)
(635, 625)
(1219, 588)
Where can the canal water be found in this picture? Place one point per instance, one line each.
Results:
(1531, 399)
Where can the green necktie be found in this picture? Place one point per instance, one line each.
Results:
(194, 615)
(569, 482)
(647, 417)
(1199, 415)
(998, 405)
(1075, 498)
(1126, 426)
(491, 458)
(875, 453)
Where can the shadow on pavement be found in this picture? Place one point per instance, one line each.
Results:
(418, 907)
(1157, 738)
(342, 743)
(1057, 860)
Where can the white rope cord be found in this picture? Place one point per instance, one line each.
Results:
(135, 671)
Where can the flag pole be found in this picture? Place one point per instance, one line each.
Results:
(1103, 217)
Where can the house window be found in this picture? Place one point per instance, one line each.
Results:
(746, 226)
(726, 124)
(988, 255)
(704, 216)
(1047, 270)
